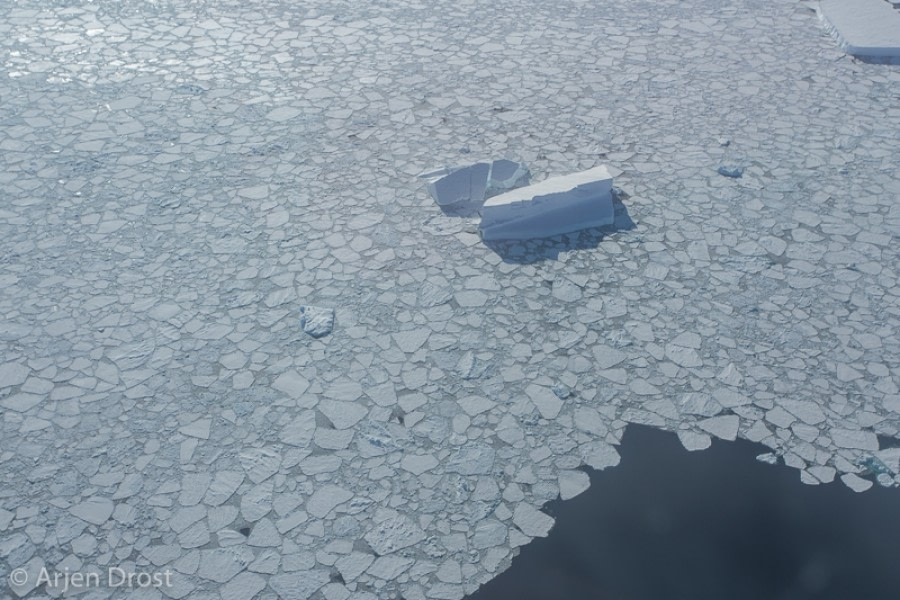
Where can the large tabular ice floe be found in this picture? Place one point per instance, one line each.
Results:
(551, 207)
(868, 28)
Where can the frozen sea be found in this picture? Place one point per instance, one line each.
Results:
(179, 178)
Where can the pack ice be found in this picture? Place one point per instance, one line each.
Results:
(551, 207)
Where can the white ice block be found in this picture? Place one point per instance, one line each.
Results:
(553, 206)
(461, 185)
(863, 27)
(471, 184)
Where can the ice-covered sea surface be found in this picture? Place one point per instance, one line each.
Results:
(179, 178)
(667, 523)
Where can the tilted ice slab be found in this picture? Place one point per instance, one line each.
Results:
(553, 206)
(863, 27)
(471, 184)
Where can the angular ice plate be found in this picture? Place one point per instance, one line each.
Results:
(551, 207)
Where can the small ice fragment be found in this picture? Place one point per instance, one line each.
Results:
(325, 499)
(572, 483)
(769, 458)
(95, 510)
(694, 440)
(532, 521)
(475, 459)
(562, 391)
(725, 426)
(695, 403)
(885, 480)
(551, 207)
(472, 367)
(393, 533)
(855, 482)
(730, 171)
(316, 321)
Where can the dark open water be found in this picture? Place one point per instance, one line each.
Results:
(668, 524)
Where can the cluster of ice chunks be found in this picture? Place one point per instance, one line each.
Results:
(508, 211)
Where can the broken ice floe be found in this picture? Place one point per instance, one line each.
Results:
(466, 187)
(316, 321)
(551, 207)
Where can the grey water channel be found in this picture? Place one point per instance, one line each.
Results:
(668, 524)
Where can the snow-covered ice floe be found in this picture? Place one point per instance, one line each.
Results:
(471, 184)
(551, 207)
(863, 27)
